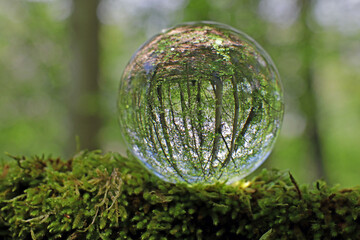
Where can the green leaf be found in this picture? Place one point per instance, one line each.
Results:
(267, 235)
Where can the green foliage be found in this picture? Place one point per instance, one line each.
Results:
(96, 196)
(34, 75)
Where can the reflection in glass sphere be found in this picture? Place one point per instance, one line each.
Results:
(200, 102)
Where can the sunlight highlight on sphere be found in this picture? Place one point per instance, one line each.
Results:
(200, 102)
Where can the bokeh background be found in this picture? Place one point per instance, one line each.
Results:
(61, 63)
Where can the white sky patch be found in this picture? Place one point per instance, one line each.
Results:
(152, 15)
(280, 12)
(293, 125)
(343, 15)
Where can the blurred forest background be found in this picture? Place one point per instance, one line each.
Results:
(61, 63)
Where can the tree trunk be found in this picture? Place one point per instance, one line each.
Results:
(308, 99)
(84, 104)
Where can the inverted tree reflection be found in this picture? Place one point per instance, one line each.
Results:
(205, 103)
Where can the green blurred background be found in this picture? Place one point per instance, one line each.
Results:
(61, 62)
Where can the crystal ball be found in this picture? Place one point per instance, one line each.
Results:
(200, 102)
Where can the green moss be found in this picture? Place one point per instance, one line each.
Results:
(96, 196)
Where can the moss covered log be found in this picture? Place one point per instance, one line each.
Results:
(106, 196)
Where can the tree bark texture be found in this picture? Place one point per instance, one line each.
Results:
(308, 99)
(85, 120)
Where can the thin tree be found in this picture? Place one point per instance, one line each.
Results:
(83, 99)
(308, 99)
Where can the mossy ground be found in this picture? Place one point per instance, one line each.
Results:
(106, 196)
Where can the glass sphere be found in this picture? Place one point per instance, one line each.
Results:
(200, 102)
